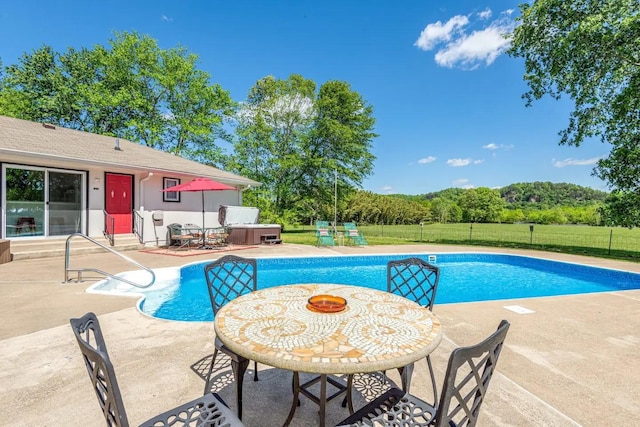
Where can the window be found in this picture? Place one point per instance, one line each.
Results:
(170, 196)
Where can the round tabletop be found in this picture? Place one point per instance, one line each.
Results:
(376, 331)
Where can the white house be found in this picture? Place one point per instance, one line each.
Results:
(57, 181)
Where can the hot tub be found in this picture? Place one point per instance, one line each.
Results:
(252, 234)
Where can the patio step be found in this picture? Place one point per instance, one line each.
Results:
(55, 246)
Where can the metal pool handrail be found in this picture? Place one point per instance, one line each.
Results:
(79, 270)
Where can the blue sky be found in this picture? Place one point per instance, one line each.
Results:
(447, 100)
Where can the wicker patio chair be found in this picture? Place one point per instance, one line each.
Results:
(177, 237)
(465, 385)
(208, 410)
(227, 278)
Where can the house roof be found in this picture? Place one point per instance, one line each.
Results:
(54, 143)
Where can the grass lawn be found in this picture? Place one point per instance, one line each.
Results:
(606, 242)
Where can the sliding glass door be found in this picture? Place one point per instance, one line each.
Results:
(65, 203)
(24, 202)
(42, 201)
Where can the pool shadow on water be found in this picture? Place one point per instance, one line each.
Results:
(267, 401)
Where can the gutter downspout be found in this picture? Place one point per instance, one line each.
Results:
(240, 194)
(142, 181)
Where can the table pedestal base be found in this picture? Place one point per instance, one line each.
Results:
(321, 400)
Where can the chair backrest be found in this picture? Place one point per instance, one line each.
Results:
(322, 224)
(349, 226)
(174, 229)
(467, 379)
(191, 227)
(100, 370)
(415, 279)
(228, 278)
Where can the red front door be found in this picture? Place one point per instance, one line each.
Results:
(119, 202)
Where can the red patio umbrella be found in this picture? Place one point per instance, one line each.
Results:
(201, 185)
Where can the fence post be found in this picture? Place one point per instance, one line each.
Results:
(470, 229)
(531, 231)
(610, 238)
(382, 229)
(421, 225)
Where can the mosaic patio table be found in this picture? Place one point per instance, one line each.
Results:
(376, 331)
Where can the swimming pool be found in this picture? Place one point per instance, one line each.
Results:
(181, 293)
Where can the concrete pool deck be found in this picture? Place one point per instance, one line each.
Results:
(573, 361)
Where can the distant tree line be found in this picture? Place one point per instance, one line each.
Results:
(537, 202)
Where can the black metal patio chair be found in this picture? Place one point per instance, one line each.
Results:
(465, 386)
(208, 410)
(417, 280)
(195, 233)
(227, 278)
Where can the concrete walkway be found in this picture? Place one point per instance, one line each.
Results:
(571, 362)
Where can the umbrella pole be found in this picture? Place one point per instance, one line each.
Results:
(202, 192)
(203, 229)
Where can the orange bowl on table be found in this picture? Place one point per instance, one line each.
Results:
(326, 303)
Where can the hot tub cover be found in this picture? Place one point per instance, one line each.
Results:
(233, 215)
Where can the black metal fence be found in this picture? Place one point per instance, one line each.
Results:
(569, 238)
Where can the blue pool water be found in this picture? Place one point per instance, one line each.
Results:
(463, 278)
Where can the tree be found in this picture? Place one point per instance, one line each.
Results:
(441, 208)
(340, 142)
(368, 208)
(512, 216)
(131, 89)
(272, 126)
(481, 205)
(588, 50)
(299, 143)
(621, 209)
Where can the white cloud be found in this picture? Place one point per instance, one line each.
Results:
(462, 183)
(575, 162)
(463, 162)
(468, 51)
(387, 188)
(439, 32)
(427, 160)
(458, 162)
(166, 18)
(492, 146)
(485, 14)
